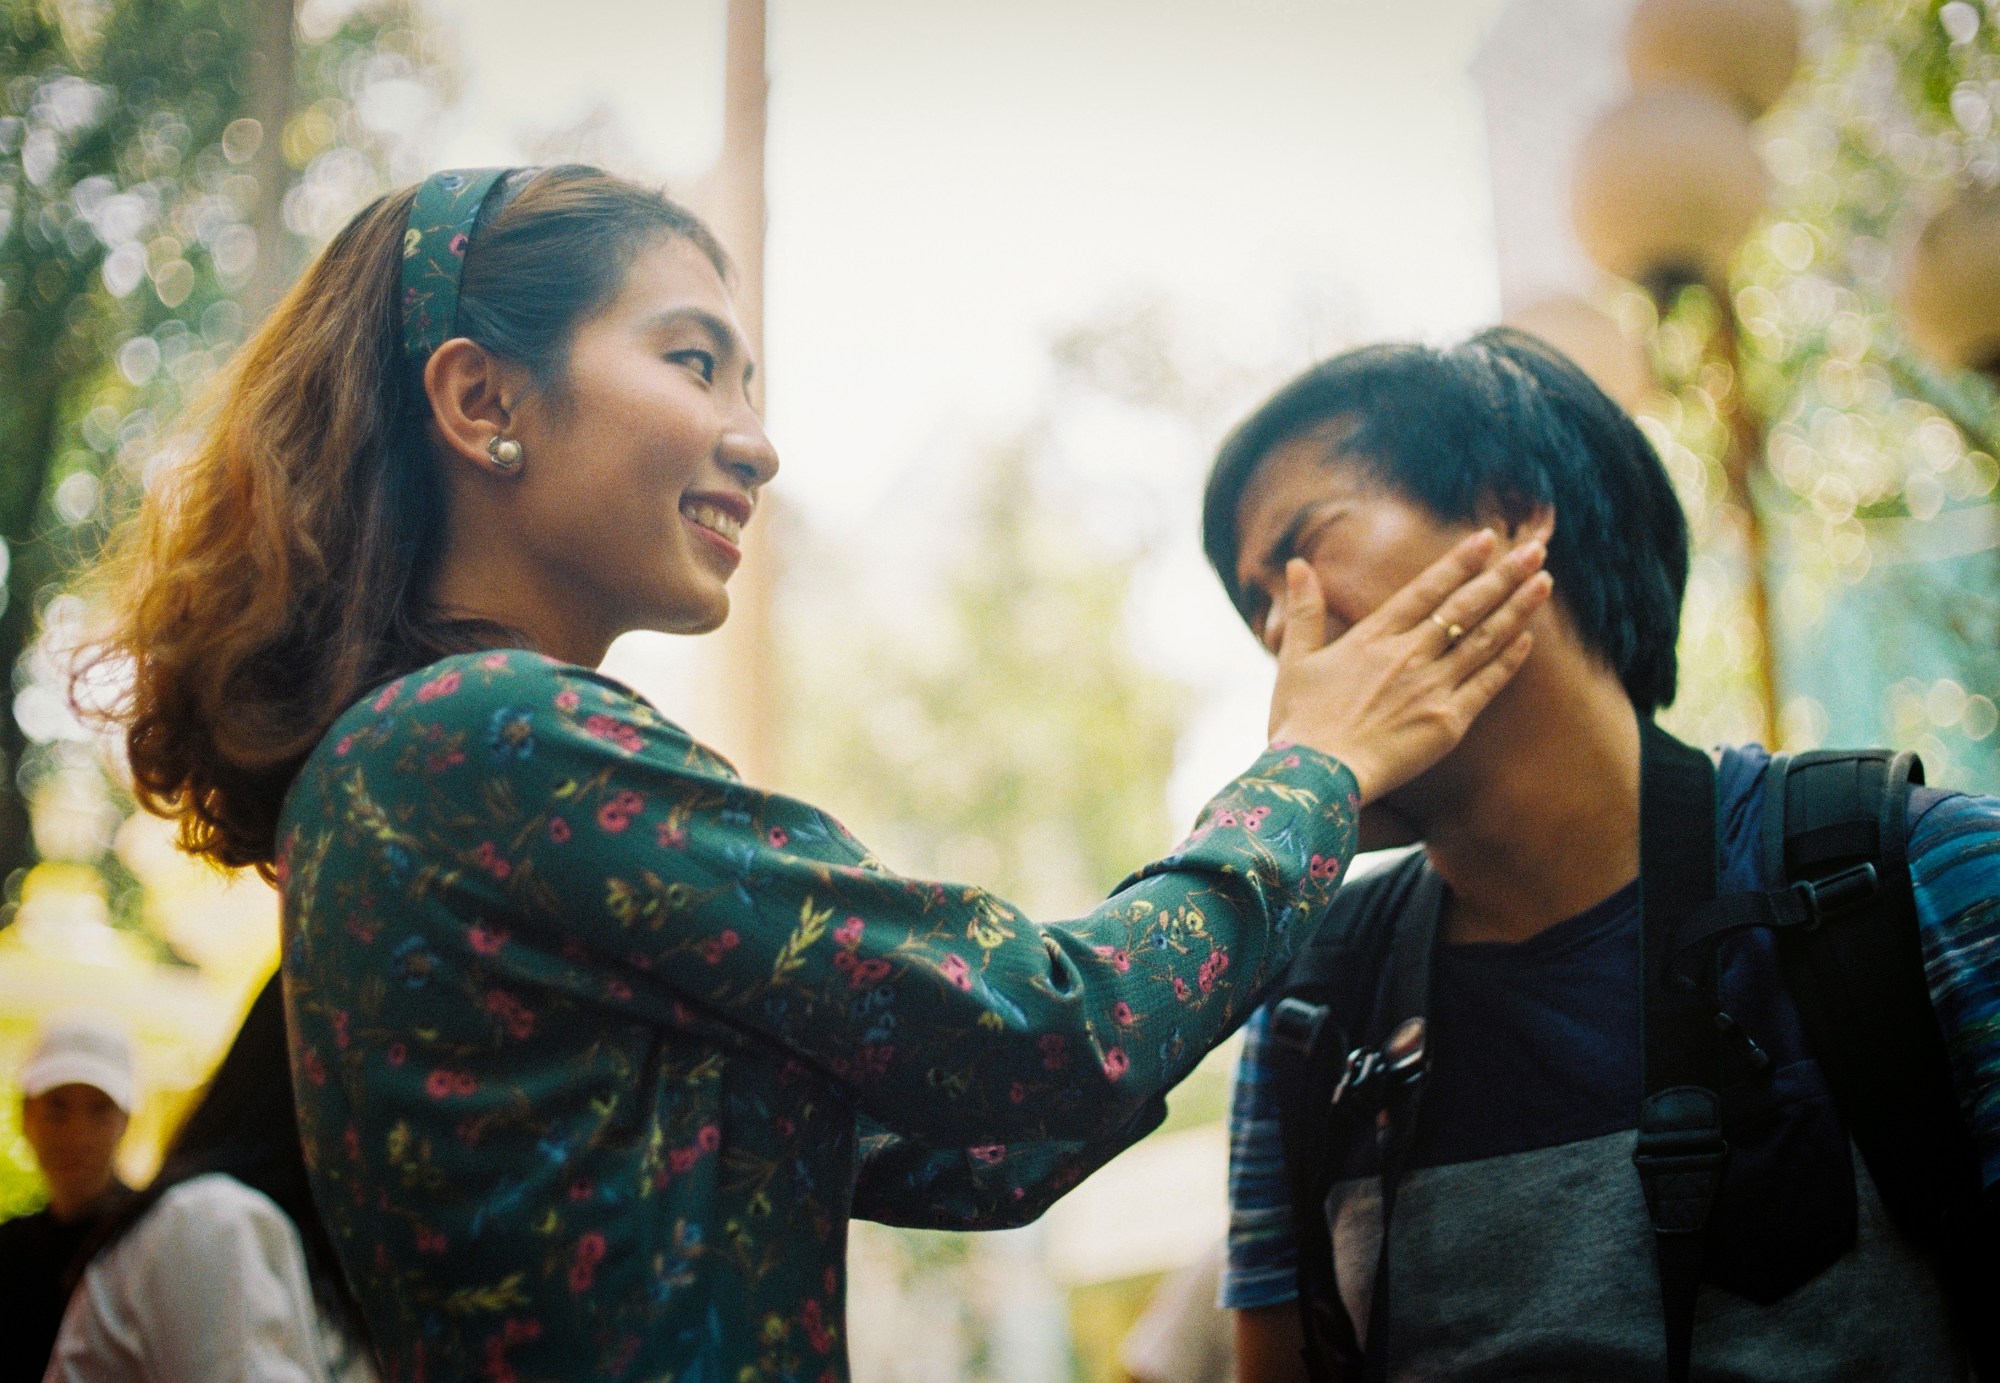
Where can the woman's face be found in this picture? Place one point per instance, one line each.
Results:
(640, 476)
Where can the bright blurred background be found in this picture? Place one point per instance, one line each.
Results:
(1018, 268)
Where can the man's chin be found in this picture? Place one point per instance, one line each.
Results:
(1382, 829)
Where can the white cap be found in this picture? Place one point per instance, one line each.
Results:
(82, 1048)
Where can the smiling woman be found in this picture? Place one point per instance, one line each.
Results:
(596, 1047)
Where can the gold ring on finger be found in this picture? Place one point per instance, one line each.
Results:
(1452, 632)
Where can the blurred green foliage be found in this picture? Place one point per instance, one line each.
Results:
(1879, 479)
(138, 194)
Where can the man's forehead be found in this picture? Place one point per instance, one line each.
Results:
(1299, 473)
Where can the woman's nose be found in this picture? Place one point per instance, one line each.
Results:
(746, 452)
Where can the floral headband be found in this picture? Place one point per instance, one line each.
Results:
(440, 228)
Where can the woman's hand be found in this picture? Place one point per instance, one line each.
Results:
(1397, 692)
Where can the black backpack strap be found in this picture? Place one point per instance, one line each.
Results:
(1330, 1075)
(1837, 831)
(1843, 909)
(1680, 1152)
(1402, 1059)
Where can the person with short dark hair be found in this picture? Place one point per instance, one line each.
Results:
(221, 1268)
(1520, 1245)
(77, 1093)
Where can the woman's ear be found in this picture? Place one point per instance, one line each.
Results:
(472, 395)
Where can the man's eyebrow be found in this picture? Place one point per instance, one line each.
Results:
(1286, 546)
(723, 335)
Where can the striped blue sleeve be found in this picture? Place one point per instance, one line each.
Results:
(1955, 865)
(1262, 1268)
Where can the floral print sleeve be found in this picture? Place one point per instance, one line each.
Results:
(549, 963)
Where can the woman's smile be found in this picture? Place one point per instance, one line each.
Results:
(719, 520)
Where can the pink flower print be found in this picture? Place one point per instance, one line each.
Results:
(430, 1241)
(779, 837)
(1289, 761)
(1254, 818)
(489, 859)
(954, 968)
(716, 947)
(458, 243)
(1324, 867)
(559, 831)
(567, 700)
(709, 1138)
(581, 1189)
(315, 1068)
(442, 1084)
(682, 1160)
(1225, 817)
(671, 836)
(515, 1016)
(340, 1029)
(848, 933)
(814, 1324)
(1180, 989)
(1120, 959)
(1211, 969)
(397, 1054)
(340, 749)
(493, 662)
(604, 727)
(1121, 1013)
(1055, 1051)
(486, 940)
(388, 697)
(990, 1153)
(583, 1268)
(868, 973)
(439, 686)
(618, 990)
(1116, 1063)
(616, 814)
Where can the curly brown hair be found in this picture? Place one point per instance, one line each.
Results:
(283, 568)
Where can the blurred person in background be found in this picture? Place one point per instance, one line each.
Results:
(586, 1032)
(77, 1092)
(1557, 1034)
(220, 1271)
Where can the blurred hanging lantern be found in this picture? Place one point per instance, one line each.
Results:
(1593, 341)
(1744, 49)
(1667, 186)
(1948, 285)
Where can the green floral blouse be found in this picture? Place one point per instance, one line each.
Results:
(597, 1049)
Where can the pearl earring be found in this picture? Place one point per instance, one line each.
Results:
(505, 453)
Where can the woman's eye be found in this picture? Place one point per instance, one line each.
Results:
(701, 362)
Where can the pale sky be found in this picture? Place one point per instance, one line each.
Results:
(950, 183)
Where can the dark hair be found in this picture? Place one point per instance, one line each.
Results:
(246, 1126)
(1503, 420)
(282, 569)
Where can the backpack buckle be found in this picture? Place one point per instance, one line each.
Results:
(1296, 1023)
(1828, 898)
(1680, 1156)
(1393, 1068)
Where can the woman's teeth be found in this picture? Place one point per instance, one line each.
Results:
(715, 520)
